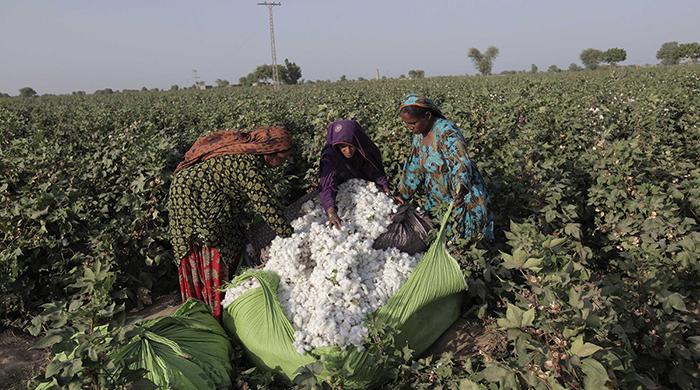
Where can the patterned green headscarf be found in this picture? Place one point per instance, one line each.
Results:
(421, 101)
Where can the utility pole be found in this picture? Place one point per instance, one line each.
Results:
(196, 79)
(275, 71)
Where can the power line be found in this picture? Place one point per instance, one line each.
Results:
(275, 71)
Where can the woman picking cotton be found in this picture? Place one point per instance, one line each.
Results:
(348, 154)
(215, 188)
(440, 166)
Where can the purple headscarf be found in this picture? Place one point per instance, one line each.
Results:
(365, 164)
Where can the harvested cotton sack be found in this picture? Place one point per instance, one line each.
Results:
(312, 301)
(185, 350)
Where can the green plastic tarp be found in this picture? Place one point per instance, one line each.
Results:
(185, 350)
(421, 310)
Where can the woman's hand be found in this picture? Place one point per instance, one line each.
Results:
(333, 218)
(459, 199)
(397, 199)
(265, 254)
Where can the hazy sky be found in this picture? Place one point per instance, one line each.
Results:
(61, 46)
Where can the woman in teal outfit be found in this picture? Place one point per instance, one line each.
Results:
(440, 167)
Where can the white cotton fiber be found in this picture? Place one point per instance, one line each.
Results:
(330, 279)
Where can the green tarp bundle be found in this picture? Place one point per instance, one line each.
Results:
(421, 310)
(185, 350)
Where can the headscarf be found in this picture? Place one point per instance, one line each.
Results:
(225, 142)
(421, 101)
(365, 164)
(351, 133)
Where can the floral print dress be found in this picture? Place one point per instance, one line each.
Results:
(208, 205)
(209, 202)
(444, 173)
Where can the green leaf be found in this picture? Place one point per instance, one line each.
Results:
(144, 384)
(52, 369)
(509, 261)
(557, 242)
(514, 314)
(571, 332)
(533, 264)
(519, 256)
(581, 349)
(675, 301)
(88, 274)
(575, 298)
(516, 317)
(504, 323)
(75, 305)
(47, 341)
(514, 261)
(554, 242)
(596, 375)
(494, 373)
(138, 184)
(554, 385)
(75, 386)
(677, 195)
(528, 318)
(573, 229)
(550, 216)
(39, 213)
(466, 384)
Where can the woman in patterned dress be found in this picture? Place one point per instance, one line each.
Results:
(440, 167)
(215, 188)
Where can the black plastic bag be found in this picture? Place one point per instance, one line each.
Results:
(408, 231)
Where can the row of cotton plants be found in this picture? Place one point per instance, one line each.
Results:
(331, 279)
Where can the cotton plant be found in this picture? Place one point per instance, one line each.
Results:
(332, 279)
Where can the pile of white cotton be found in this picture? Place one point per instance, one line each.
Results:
(332, 279)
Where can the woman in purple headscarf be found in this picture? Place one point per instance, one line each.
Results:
(348, 154)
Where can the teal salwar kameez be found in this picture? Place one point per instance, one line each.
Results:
(445, 174)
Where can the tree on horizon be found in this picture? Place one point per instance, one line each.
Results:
(614, 55)
(289, 73)
(483, 62)
(416, 74)
(27, 92)
(591, 58)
